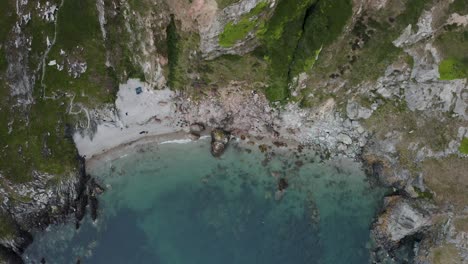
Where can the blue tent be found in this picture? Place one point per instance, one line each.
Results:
(138, 90)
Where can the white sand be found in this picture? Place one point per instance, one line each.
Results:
(152, 111)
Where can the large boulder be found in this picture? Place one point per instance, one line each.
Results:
(195, 130)
(401, 220)
(219, 141)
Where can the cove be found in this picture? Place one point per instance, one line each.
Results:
(176, 204)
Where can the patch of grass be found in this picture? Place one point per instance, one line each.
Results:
(40, 138)
(379, 51)
(118, 41)
(446, 254)
(42, 145)
(259, 8)
(454, 50)
(227, 68)
(236, 31)
(280, 37)
(366, 50)
(464, 146)
(7, 227)
(461, 224)
(324, 23)
(233, 32)
(8, 15)
(224, 3)
(448, 179)
(82, 42)
(459, 6)
(423, 194)
(173, 53)
(7, 21)
(453, 68)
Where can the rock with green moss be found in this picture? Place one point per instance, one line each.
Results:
(219, 141)
(464, 146)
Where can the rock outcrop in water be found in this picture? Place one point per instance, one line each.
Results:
(400, 225)
(219, 141)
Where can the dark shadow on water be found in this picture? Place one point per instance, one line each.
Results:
(123, 242)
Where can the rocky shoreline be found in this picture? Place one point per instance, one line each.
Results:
(399, 225)
(405, 123)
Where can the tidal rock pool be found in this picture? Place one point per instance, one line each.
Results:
(176, 204)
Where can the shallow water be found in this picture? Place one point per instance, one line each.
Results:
(175, 203)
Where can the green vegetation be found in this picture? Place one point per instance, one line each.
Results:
(446, 253)
(324, 23)
(464, 146)
(453, 68)
(82, 42)
(280, 37)
(7, 227)
(173, 52)
(40, 136)
(224, 3)
(227, 68)
(459, 6)
(8, 15)
(447, 178)
(7, 21)
(235, 31)
(423, 194)
(118, 43)
(365, 51)
(454, 48)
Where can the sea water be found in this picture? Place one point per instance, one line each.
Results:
(176, 204)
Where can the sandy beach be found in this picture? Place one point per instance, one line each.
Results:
(146, 114)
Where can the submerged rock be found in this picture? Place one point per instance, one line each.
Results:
(219, 141)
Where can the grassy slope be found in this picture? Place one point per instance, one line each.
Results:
(322, 26)
(454, 49)
(281, 35)
(224, 3)
(464, 146)
(40, 140)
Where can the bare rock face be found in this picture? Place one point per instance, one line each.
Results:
(219, 141)
(401, 220)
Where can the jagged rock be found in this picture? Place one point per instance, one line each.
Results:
(93, 207)
(219, 141)
(195, 130)
(8, 256)
(400, 220)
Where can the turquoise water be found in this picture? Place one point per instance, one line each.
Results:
(175, 203)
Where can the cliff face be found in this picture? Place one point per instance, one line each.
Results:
(384, 80)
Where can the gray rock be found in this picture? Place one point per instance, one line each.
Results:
(344, 139)
(401, 219)
(197, 128)
(355, 111)
(219, 141)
